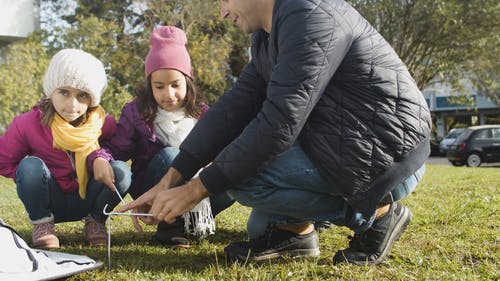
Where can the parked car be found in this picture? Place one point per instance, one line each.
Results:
(449, 139)
(476, 145)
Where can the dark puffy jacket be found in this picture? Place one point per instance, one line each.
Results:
(323, 76)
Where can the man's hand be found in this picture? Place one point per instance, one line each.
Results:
(145, 201)
(103, 172)
(173, 202)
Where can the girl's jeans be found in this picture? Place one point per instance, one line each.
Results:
(158, 167)
(290, 190)
(42, 196)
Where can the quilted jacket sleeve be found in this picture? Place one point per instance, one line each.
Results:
(222, 123)
(306, 46)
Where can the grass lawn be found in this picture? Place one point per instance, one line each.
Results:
(454, 235)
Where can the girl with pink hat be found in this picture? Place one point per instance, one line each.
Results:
(152, 127)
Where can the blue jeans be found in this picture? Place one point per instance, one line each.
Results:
(42, 196)
(290, 190)
(158, 167)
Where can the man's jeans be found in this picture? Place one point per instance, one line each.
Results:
(42, 196)
(290, 190)
(158, 167)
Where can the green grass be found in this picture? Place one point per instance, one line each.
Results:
(454, 235)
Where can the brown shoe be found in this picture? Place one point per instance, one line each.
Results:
(44, 236)
(95, 232)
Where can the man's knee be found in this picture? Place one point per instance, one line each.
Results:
(249, 197)
(405, 188)
(167, 154)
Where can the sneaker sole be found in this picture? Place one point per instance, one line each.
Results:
(95, 244)
(299, 253)
(47, 246)
(399, 229)
(169, 244)
(172, 246)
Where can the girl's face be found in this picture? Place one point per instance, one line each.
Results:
(70, 103)
(169, 88)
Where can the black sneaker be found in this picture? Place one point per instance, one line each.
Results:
(274, 243)
(374, 245)
(172, 235)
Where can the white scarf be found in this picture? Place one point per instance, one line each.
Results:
(199, 221)
(173, 127)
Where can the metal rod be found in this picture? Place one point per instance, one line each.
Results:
(119, 196)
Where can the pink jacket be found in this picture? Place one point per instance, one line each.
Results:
(27, 136)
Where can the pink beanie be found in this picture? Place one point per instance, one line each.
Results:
(168, 50)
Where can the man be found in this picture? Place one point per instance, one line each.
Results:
(324, 124)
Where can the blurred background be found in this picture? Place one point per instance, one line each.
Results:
(451, 48)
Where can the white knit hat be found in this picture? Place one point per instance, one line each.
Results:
(76, 69)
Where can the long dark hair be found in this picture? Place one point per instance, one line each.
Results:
(148, 107)
(48, 112)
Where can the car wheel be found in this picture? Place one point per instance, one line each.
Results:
(457, 163)
(473, 160)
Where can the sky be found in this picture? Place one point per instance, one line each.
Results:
(51, 18)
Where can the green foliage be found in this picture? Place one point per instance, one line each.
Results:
(438, 40)
(21, 75)
(26, 63)
(209, 62)
(217, 48)
(442, 41)
(100, 38)
(454, 235)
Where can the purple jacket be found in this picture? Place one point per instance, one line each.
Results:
(133, 140)
(27, 136)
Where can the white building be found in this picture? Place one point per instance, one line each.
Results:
(466, 108)
(18, 18)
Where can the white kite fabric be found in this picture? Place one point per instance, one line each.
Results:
(20, 262)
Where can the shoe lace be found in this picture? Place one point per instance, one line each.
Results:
(367, 240)
(94, 227)
(262, 241)
(44, 229)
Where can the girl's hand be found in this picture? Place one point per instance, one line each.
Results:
(103, 172)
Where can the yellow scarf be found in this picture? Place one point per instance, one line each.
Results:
(81, 140)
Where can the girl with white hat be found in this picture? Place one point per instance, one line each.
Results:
(45, 150)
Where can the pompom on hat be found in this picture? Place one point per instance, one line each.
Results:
(76, 69)
(168, 50)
